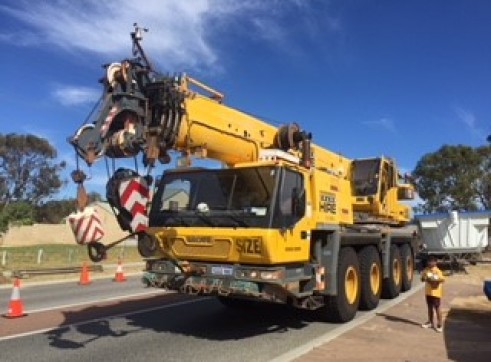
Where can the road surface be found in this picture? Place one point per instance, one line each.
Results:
(149, 324)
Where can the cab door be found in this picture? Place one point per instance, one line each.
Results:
(291, 217)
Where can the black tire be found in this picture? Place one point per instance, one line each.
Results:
(342, 308)
(391, 286)
(407, 258)
(147, 245)
(371, 277)
(97, 251)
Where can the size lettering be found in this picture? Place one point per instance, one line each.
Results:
(249, 246)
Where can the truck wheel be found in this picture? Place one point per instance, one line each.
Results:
(371, 277)
(392, 285)
(147, 245)
(343, 306)
(407, 267)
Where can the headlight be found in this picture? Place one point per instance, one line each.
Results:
(272, 275)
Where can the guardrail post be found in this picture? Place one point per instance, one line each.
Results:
(4, 258)
(70, 256)
(40, 256)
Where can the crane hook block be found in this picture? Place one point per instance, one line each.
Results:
(129, 194)
(86, 226)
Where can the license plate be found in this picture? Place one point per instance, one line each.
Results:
(222, 270)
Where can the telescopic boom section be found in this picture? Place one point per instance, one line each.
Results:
(142, 111)
(231, 136)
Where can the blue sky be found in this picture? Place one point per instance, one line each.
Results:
(399, 78)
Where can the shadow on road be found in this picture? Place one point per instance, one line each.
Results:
(468, 335)
(95, 329)
(396, 319)
(205, 319)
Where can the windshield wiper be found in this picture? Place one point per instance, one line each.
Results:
(204, 218)
(177, 220)
(237, 219)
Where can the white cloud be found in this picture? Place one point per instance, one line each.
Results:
(86, 25)
(74, 95)
(183, 33)
(469, 119)
(385, 124)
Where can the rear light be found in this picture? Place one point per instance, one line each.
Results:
(264, 275)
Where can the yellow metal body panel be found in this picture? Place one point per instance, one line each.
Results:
(229, 245)
(331, 201)
(327, 202)
(236, 139)
(384, 205)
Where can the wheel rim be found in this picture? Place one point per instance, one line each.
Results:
(351, 285)
(396, 274)
(375, 278)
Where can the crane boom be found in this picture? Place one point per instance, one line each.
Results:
(285, 221)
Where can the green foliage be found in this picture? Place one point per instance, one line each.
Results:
(454, 178)
(49, 212)
(4, 222)
(55, 211)
(28, 171)
(16, 213)
(484, 183)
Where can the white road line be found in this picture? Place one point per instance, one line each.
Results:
(39, 331)
(109, 299)
(329, 336)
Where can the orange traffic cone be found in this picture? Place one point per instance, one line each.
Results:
(84, 276)
(119, 277)
(16, 307)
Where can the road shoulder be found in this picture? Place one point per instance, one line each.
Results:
(395, 333)
(344, 328)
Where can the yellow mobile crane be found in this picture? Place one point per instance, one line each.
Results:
(283, 221)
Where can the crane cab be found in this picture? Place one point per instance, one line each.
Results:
(377, 187)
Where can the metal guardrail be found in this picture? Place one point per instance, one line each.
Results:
(27, 273)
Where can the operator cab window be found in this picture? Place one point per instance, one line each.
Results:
(176, 196)
(366, 176)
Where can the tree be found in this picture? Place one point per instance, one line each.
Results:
(454, 178)
(28, 171)
(484, 183)
(55, 211)
(19, 213)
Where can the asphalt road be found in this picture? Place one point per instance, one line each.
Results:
(48, 296)
(157, 327)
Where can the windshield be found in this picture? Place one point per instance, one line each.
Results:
(225, 197)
